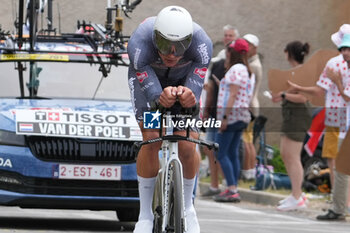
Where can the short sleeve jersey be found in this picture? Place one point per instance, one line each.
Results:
(236, 75)
(335, 104)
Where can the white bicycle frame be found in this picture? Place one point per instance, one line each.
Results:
(169, 154)
(168, 162)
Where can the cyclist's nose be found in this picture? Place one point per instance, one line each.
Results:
(173, 51)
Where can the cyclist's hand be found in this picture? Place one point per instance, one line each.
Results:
(168, 97)
(186, 97)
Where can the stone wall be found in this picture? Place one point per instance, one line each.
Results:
(275, 22)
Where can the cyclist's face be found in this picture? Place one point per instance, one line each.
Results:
(169, 60)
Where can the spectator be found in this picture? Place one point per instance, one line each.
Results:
(249, 163)
(235, 93)
(216, 73)
(230, 34)
(296, 121)
(212, 87)
(335, 82)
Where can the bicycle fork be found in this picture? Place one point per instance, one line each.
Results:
(169, 159)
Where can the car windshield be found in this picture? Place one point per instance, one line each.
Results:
(66, 80)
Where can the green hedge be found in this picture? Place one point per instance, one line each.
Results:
(277, 161)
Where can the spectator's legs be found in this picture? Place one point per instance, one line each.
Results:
(331, 166)
(228, 152)
(225, 139)
(249, 158)
(330, 149)
(290, 152)
(249, 161)
(213, 167)
(340, 193)
(234, 155)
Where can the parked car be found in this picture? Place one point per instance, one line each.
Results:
(67, 126)
(65, 146)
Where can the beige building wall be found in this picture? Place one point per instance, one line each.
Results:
(275, 22)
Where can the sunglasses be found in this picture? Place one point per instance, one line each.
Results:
(166, 47)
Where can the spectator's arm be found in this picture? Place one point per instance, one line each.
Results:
(337, 80)
(231, 100)
(295, 97)
(313, 90)
(209, 100)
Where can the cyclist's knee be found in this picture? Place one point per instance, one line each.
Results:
(151, 134)
(187, 150)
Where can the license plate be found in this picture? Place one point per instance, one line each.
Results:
(89, 172)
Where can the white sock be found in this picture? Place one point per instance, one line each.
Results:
(146, 190)
(252, 173)
(188, 192)
(245, 174)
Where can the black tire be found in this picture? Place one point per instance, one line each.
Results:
(157, 207)
(127, 214)
(176, 212)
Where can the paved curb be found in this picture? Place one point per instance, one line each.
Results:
(258, 197)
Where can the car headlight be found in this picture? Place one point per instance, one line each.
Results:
(11, 138)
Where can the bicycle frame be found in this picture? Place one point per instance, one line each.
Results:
(168, 156)
(170, 176)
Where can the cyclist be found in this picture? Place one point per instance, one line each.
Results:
(169, 55)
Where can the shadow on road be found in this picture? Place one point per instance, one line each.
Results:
(64, 224)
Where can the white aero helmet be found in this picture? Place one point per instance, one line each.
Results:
(173, 30)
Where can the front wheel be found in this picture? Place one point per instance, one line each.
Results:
(158, 204)
(175, 206)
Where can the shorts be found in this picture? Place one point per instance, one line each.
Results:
(296, 120)
(247, 135)
(330, 142)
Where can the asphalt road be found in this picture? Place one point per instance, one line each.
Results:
(213, 218)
